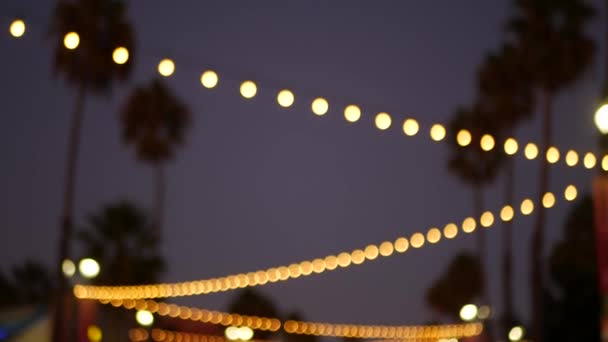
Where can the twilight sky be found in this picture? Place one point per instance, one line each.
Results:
(257, 186)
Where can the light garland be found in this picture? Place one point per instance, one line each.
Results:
(306, 268)
(304, 327)
(163, 335)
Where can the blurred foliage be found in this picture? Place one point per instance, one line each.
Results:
(296, 316)
(27, 284)
(252, 303)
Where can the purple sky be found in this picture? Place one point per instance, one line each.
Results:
(257, 186)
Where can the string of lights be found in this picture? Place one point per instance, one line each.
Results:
(303, 327)
(383, 121)
(163, 335)
(329, 263)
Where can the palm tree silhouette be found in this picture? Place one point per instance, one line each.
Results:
(552, 37)
(154, 121)
(102, 26)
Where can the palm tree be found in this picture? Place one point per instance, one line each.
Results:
(552, 37)
(473, 165)
(119, 237)
(505, 91)
(250, 302)
(154, 121)
(102, 26)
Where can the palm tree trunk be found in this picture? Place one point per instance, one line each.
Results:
(507, 259)
(160, 200)
(61, 332)
(537, 246)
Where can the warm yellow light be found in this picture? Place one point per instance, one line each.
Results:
(548, 200)
(570, 193)
(410, 127)
(571, 158)
(209, 79)
(352, 113)
(527, 206)
(531, 151)
(68, 268)
(383, 121)
(245, 333)
(433, 235)
(589, 161)
(605, 163)
(601, 119)
(357, 257)
(166, 67)
(516, 334)
(487, 142)
(120, 55)
(285, 98)
(552, 155)
(468, 312)
(320, 106)
(417, 240)
(401, 245)
(89, 268)
(463, 137)
(94, 333)
(371, 252)
(468, 225)
(232, 333)
(506, 213)
(486, 219)
(386, 248)
(511, 146)
(483, 312)
(450, 231)
(344, 259)
(71, 40)
(248, 89)
(144, 317)
(17, 28)
(437, 132)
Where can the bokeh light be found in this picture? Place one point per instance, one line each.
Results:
(437, 132)
(17, 28)
(68, 268)
(320, 106)
(285, 98)
(144, 317)
(450, 231)
(511, 146)
(527, 206)
(506, 213)
(531, 151)
(571, 158)
(463, 138)
(410, 127)
(89, 268)
(552, 155)
(433, 235)
(120, 55)
(417, 240)
(605, 163)
(570, 193)
(401, 245)
(468, 312)
(487, 142)
(601, 119)
(516, 334)
(383, 121)
(166, 67)
(469, 225)
(352, 113)
(209, 79)
(487, 219)
(248, 89)
(548, 200)
(589, 161)
(71, 40)
(94, 333)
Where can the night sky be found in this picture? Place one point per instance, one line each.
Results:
(256, 185)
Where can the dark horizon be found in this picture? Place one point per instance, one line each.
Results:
(255, 185)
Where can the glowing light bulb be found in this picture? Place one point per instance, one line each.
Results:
(68, 268)
(570, 193)
(463, 138)
(285, 98)
(417, 240)
(506, 213)
(383, 121)
(511, 146)
(89, 268)
(410, 127)
(468, 312)
(468, 225)
(605, 163)
(401, 245)
(486, 219)
(527, 206)
(248, 89)
(120, 55)
(601, 119)
(589, 161)
(487, 142)
(352, 113)
(144, 317)
(450, 231)
(531, 151)
(437, 132)
(209, 79)
(71, 40)
(320, 106)
(94, 333)
(548, 200)
(516, 334)
(386, 248)
(552, 155)
(433, 235)
(17, 28)
(571, 158)
(166, 67)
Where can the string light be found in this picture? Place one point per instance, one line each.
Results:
(469, 225)
(417, 240)
(605, 163)
(320, 106)
(410, 127)
(352, 113)
(433, 235)
(527, 206)
(511, 146)
(589, 161)
(506, 213)
(166, 67)
(531, 151)
(548, 200)
(450, 231)
(285, 98)
(437, 132)
(552, 155)
(487, 219)
(120, 55)
(248, 89)
(71, 40)
(383, 121)
(463, 138)
(570, 193)
(571, 158)
(487, 142)
(209, 79)
(17, 28)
